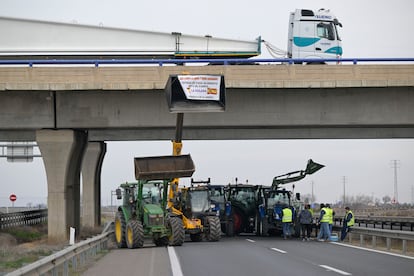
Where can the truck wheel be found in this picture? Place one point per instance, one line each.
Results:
(120, 227)
(214, 229)
(176, 230)
(134, 234)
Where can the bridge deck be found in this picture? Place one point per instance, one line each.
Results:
(59, 78)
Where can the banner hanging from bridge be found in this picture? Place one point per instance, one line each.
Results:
(201, 87)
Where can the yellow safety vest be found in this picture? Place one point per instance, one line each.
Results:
(325, 217)
(287, 215)
(352, 221)
(330, 215)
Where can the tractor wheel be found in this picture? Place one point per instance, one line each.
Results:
(214, 229)
(261, 226)
(264, 230)
(196, 237)
(176, 229)
(230, 228)
(134, 234)
(120, 227)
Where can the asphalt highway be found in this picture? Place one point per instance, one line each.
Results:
(252, 256)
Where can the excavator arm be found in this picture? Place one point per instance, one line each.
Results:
(311, 168)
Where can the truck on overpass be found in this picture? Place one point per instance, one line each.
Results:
(311, 34)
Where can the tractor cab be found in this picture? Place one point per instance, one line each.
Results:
(128, 193)
(197, 204)
(218, 198)
(152, 192)
(275, 201)
(196, 199)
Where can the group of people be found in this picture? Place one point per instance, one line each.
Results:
(325, 221)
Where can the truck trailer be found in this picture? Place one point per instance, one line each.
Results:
(311, 34)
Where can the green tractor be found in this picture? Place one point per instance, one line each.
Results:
(143, 213)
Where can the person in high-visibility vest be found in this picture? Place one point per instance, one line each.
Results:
(348, 222)
(324, 233)
(287, 216)
(331, 215)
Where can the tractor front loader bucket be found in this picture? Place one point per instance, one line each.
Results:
(163, 167)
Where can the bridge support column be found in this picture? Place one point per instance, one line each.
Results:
(62, 152)
(91, 182)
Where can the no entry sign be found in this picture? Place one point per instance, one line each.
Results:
(12, 197)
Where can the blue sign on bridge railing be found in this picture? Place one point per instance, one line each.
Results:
(161, 62)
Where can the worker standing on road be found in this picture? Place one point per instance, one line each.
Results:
(331, 215)
(313, 224)
(347, 223)
(286, 221)
(324, 233)
(305, 219)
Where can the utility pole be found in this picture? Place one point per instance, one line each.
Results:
(344, 182)
(313, 197)
(395, 164)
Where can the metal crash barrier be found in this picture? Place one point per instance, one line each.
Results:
(70, 259)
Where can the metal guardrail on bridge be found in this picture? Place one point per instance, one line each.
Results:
(23, 218)
(161, 62)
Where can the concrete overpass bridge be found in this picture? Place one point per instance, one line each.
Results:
(71, 111)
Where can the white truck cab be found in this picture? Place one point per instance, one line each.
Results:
(314, 35)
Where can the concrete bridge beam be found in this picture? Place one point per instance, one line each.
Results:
(91, 184)
(62, 152)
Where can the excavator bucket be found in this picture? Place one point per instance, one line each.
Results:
(163, 167)
(195, 93)
(313, 167)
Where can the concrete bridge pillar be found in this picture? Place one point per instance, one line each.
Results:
(91, 184)
(62, 152)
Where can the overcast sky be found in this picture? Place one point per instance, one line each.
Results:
(370, 29)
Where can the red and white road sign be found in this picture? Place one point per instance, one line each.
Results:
(13, 197)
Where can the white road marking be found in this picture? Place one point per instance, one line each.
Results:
(374, 250)
(279, 250)
(175, 264)
(249, 240)
(335, 270)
